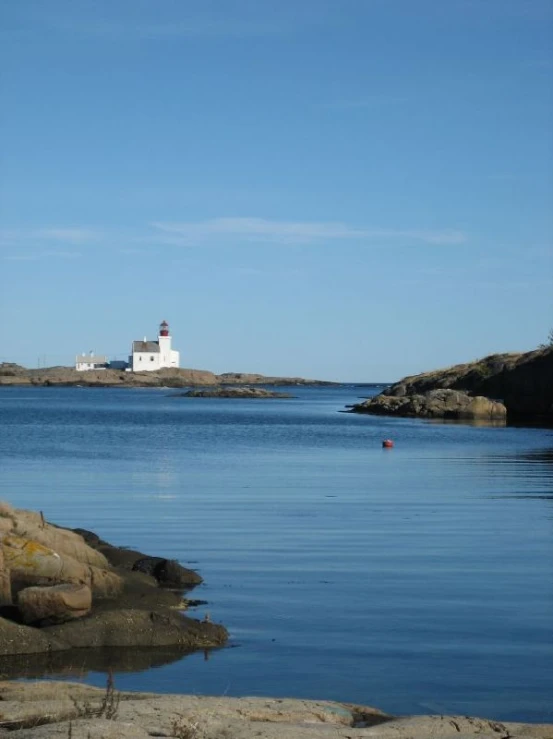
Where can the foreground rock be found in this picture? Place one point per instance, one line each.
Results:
(447, 404)
(14, 374)
(233, 392)
(64, 589)
(55, 604)
(522, 383)
(50, 709)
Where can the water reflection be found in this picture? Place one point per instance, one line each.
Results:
(534, 465)
(480, 422)
(77, 663)
(542, 459)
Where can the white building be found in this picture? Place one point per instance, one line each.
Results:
(153, 355)
(90, 361)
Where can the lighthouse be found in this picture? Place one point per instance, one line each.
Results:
(153, 355)
(165, 351)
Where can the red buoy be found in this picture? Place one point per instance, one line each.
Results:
(387, 443)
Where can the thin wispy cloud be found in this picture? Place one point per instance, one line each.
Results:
(42, 255)
(32, 244)
(294, 232)
(74, 242)
(20, 257)
(62, 254)
(69, 235)
(57, 235)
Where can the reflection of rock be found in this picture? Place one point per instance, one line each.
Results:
(53, 572)
(232, 392)
(44, 709)
(77, 663)
(449, 404)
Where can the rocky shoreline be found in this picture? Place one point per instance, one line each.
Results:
(14, 374)
(501, 388)
(75, 711)
(63, 590)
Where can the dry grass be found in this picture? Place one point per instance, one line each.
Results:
(109, 705)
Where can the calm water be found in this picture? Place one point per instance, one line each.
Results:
(415, 579)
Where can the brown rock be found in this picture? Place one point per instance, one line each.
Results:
(32, 525)
(5, 584)
(441, 403)
(56, 604)
(30, 561)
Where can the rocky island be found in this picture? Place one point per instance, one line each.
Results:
(233, 392)
(514, 388)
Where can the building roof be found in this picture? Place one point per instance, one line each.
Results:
(90, 359)
(145, 346)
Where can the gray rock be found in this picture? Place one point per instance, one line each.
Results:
(167, 572)
(132, 627)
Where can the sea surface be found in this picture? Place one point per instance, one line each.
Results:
(417, 579)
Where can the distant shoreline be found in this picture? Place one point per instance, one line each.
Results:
(16, 375)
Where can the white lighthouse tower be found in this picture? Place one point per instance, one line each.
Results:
(168, 357)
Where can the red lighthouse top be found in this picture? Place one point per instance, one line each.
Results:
(164, 328)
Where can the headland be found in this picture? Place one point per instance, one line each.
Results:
(500, 388)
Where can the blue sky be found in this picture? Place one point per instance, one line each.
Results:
(341, 189)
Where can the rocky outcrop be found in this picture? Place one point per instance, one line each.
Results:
(167, 572)
(446, 404)
(61, 601)
(30, 562)
(13, 374)
(523, 383)
(233, 392)
(245, 378)
(53, 709)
